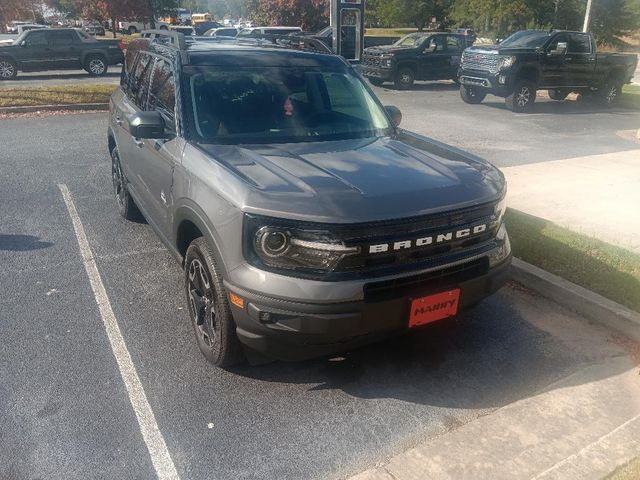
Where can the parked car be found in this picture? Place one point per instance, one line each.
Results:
(137, 27)
(29, 26)
(417, 56)
(307, 222)
(221, 32)
(95, 28)
(530, 60)
(256, 31)
(203, 27)
(12, 28)
(184, 29)
(58, 49)
(469, 35)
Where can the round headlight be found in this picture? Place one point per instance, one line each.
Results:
(274, 243)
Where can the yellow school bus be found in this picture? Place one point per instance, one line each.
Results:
(197, 18)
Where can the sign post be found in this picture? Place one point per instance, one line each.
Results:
(347, 21)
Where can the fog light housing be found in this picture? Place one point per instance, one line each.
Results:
(502, 79)
(502, 250)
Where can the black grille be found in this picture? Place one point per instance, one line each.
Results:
(424, 282)
(372, 60)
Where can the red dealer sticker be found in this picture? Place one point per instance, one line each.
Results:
(434, 307)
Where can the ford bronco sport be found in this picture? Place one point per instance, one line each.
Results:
(307, 222)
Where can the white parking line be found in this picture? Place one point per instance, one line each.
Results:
(162, 462)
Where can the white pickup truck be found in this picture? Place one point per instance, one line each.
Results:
(136, 27)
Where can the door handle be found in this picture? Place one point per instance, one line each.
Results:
(568, 59)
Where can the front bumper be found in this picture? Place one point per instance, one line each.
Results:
(369, 71)
(496, 83)
(291, 330)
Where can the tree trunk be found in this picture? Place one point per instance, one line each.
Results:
(114, 26)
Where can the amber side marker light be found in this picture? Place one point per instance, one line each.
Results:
(236, 300)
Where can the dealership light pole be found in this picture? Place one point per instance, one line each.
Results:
(587, 17)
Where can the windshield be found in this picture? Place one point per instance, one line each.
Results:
(527, 38)
(411, 40)
(281, 105)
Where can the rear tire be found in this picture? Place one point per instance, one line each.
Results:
(609, 95)
(96, 65)
(125, 204)
(558, 95)
(522, 98)
(404, 78)
(8, 69)
(209, 308)
(472, 95)
(132, 30)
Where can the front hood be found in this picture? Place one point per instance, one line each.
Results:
(387, 49)
(359, 180)
(498, 49)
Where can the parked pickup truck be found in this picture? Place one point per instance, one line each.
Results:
(417, 56)
(559, 61)
(136, 27)
(59, 49)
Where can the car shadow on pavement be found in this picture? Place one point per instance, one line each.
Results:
(566, 107)
(63, 76)
(487, 358)
(424, 87)
(22, 243)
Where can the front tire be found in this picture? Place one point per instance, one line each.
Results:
(96, 66)
(376, 82)
(472, 95)
(125, 204)
(8, 69)
(132, 30)
(522, 98)
(404, 78)
(209, 308)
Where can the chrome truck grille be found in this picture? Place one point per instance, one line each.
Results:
(474, 60)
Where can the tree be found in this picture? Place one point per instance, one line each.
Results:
(308, 14)
(19, 10)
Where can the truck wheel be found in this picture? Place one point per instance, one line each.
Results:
(404, 78)
(96, 65)
(472, 95)
(610, 94)
(132, 30)
(558, 94)
(209, 308)
(8, 69)
(376, 81)
(522, 98)
(126, 206)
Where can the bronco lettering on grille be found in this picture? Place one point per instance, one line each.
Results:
(429, 240)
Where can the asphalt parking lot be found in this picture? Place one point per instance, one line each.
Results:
(65, 412)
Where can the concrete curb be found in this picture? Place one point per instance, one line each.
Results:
(585, 302)
(56, 108)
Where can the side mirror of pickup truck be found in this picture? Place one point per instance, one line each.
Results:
(395, 114)
(146, 125)
(560, 49)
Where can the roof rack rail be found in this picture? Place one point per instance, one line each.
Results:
(297, 42)
(170, 37)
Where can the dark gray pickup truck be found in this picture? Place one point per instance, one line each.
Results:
(58, 49)
(559, 61)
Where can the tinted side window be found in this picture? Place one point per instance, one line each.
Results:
(439, 41)
(562, 38)
(579, 43)
(162, 94)
(139, 81)
(454, 43)
(60, 38)
(36, 39)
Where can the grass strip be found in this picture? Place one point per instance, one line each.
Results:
(631, 96)
(611, 271)
(58, 95)
(629, 471)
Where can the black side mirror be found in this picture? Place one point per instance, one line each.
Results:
(146, 125)
(395, 114)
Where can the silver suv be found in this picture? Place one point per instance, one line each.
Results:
(307, 222)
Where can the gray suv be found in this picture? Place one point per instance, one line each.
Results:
(306, 221)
